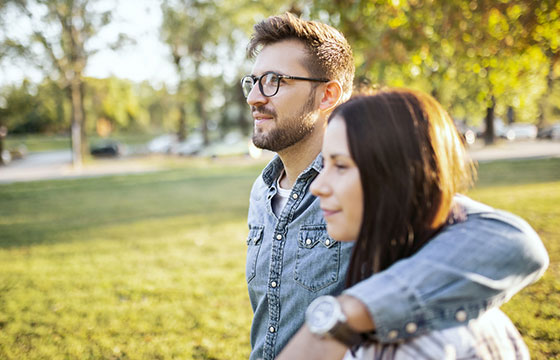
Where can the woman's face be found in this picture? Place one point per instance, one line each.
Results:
(338, 186)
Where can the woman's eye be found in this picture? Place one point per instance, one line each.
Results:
(341, 166)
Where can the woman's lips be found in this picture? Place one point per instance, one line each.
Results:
(327, 213)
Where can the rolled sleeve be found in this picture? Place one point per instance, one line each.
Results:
(463, 271)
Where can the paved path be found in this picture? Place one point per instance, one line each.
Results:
(57, 164)
(516, 150)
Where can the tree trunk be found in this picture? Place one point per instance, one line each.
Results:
(3, 132)
(510, 115)
(489, 120)
(182, 128)
(200, 110)
(78, 131)
(544, 98)
(243, 119)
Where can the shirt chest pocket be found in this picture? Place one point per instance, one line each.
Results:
(318, 258)
(254, 240)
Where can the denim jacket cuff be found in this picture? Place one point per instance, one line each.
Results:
(395, 308)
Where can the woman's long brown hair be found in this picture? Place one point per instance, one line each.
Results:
(412, 161)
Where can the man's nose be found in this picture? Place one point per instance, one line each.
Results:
(255, 97)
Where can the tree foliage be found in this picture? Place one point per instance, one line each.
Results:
(481, 58)
(474, 56)
(57, 42)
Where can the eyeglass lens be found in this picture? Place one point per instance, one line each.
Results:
(268, 84)
(247, 84)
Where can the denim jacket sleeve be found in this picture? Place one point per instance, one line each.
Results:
(464, 270)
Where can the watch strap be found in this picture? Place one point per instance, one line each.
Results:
(346, 335)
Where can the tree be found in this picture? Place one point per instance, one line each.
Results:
(114, 104)
(191, 31)
(30, 108)
(63, 30)
(205, 39)
(466, 53)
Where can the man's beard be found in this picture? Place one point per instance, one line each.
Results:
(288, 131)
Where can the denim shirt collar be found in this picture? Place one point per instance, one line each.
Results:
(272, 171)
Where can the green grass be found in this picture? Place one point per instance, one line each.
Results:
(531, 189)
(151, 266)
(137, 267)
(40, 142)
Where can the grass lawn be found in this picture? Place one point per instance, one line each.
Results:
(531, 189)
(41, 142)
(151, 266)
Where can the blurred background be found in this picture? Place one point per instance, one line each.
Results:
(106, 78)
(144, 257)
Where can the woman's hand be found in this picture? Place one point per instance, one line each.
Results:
(307, 346)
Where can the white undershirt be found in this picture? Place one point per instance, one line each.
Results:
(281, 197)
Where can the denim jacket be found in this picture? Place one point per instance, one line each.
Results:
(464, 270)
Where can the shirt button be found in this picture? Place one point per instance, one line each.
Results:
(393, 334)
(279, 237)
(308, 241)
(295, 196)
(271, 329)
(273, 284)
(327, 242)
(461, 316)
(411, 328)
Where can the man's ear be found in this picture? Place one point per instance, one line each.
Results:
(331, 96)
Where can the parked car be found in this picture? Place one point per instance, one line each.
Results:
(515, 131)
(523, 131)
(233, 143)
(191, 146)
(550, 132)
(502, 130)
(107, 148)
(467, 132)
(6, 157)
(162, 143)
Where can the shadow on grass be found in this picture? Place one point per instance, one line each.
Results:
(48, 212)
(518, 172)
(58, 211)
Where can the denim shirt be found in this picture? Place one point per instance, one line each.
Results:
(464, 270)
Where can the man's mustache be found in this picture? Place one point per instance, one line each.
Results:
(263, 110)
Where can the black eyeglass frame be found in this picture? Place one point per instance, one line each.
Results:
(258, 79)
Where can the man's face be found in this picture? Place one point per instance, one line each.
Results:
(289, 116)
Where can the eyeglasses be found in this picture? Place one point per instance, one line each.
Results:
(269, 82)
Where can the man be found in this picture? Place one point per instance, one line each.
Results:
(302, 70)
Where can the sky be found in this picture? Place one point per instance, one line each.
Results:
(148, 59)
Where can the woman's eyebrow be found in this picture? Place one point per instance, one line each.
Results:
(337, 155)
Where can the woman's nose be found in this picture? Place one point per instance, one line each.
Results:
(318, 186)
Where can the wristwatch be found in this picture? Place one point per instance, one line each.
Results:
(324, 317)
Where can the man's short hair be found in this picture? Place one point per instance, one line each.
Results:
(330, 55)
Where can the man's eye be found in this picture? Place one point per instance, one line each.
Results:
(271, 79)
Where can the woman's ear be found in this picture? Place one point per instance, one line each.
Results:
(331, 96)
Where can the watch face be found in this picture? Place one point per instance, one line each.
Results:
(321, 316)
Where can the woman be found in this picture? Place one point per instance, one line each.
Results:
(393, 164)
